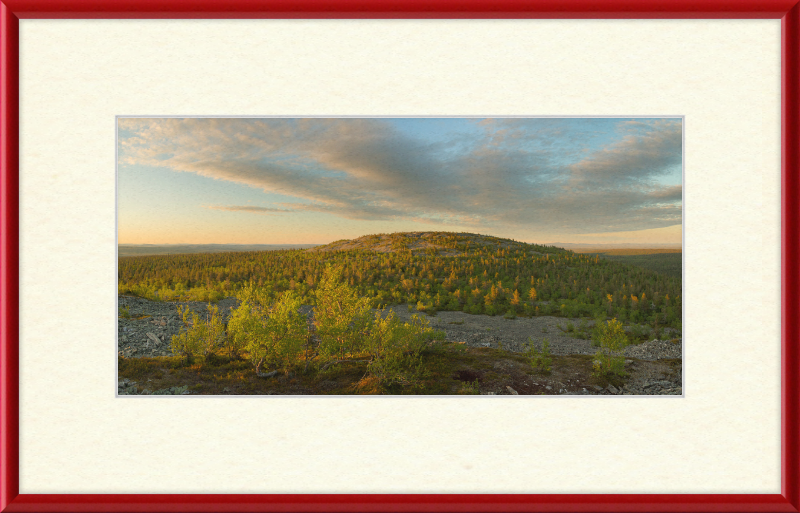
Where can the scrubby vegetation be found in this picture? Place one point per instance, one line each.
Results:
(202, 336)
(276, 337)
(435, 271)
(610, 336)
(540, 360)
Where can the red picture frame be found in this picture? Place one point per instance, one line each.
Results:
(788, 11)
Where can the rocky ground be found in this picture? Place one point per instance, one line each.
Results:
(514, 334)
(146, 329)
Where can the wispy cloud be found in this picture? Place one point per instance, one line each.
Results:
(247, 208)
(566, 175)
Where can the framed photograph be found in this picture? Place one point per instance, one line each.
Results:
(386, 257)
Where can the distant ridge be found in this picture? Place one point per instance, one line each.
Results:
(446, 242)
(125, 250)
(629, 245)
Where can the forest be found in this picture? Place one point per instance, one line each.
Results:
(662, 262)
(432, 271)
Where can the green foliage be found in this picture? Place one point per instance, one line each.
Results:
(597, 331)
(125, 312)
(481, 279)
(395, 348)
(612, 340)
(245, 327)
(608, 365)
(582, 330)
(470, 388)
(658, 332)
(341, 317)
(638, 332)
(199, 336)
(540, 360)
(154, 292)
(669, 264)
(611, 335)
(273, 335)
(510, 314)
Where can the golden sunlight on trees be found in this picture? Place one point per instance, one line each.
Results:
(276, 335)
(478, 277)
(611, 338)
(341, 316)
(203, 337)
(271, 333)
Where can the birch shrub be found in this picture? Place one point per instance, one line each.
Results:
(275, 335)
(341, 317)
(272, 334)
(541, 361)
(611, 337)
(395, 348)
(200, 336)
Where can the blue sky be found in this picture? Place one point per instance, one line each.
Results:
(315, 180)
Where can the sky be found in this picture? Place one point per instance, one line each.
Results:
(317, 180)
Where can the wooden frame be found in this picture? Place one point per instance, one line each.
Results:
(13, 10)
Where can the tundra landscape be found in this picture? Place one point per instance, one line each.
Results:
(467, 314)
(399, 256)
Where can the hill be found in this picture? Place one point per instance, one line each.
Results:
(432, 271)
(442, 244)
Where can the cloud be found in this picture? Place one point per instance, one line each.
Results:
(567, 175)
(246, 208)
(674, 193)
(634, 158)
